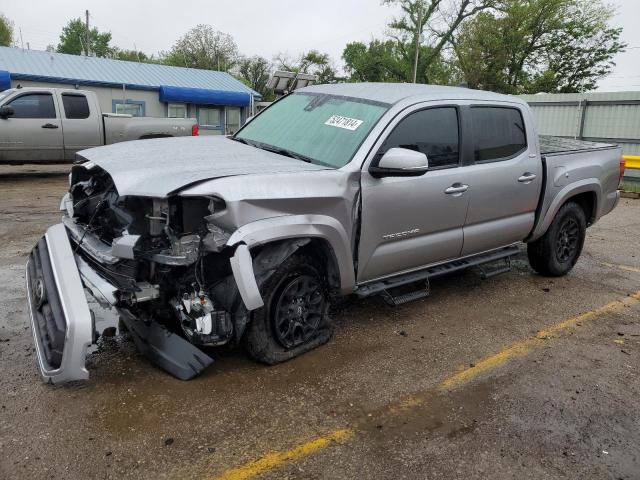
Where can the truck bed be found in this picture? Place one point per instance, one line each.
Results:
(569, 162)
(550, 145)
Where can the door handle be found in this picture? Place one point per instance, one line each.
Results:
(527, 178)
(49, 125)
(456, 189)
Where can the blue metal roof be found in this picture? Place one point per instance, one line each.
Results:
(75, 69)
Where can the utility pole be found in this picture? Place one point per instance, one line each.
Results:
(418, 35)
(86, 40)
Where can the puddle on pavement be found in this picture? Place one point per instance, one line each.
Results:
(450, 414)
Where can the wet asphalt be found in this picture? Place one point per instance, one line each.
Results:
(569, 409)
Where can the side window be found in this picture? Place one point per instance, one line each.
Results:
(177, 110)
(129, 107)
(498, 133)
(433, 132)
(76, 106)
(33, 105)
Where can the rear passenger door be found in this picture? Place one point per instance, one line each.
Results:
(505, 178)
(33, 132)
(81, 125)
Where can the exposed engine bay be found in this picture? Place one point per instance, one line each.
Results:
(167, 257)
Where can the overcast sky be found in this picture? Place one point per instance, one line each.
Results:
(262, 27)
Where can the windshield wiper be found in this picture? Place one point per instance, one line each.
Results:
(242, 140)
(273, 149)
(284, 152)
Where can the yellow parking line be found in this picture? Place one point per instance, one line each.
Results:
(525, 346)
(622, 267)
(275, 460)
(518, 349)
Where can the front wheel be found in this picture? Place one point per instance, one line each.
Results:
(557, 251)
(295, 317)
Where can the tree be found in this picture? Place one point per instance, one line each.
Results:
(255, 72)
(538, 45)
(73, 40)
(131, 55)
(430, 24)
(583, 50)
(203, 47)
(6, 31)
(312, 62)
(387, 61)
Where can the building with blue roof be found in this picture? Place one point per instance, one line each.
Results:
(220, 102)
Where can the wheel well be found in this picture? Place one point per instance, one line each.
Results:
(586, 201)
(270, 255)
(321, 249)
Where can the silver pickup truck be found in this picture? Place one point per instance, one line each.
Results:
(358, 189)
(52, 124)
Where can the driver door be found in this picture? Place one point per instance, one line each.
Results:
(411, 222)
(34, 131)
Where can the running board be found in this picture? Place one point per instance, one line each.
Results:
(493, 270)
(402, 295)
(439, 270)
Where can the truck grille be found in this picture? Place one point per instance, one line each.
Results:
(50, 324)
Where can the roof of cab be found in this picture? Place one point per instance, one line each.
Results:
(392, 93)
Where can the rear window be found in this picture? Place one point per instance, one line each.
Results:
(499, 133)
(76, 107)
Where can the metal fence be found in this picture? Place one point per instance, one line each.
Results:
(598, 117)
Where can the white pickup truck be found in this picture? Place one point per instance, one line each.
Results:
(52, 124)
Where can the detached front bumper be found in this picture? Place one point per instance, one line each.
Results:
(63, 325)
(61, 321)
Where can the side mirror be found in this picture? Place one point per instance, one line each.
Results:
(400, 162)
(6, 112)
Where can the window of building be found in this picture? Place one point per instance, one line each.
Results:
(76, 106)
(498, 133)
(129, 107)
(33, 105)
(433, 132)
(209, 117)
(232, 121)
(177, 110)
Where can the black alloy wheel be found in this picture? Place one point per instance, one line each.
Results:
(299, 311)
(295, 317)
(568, 240)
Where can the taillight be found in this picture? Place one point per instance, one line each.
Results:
(195, 130)
(622, 167)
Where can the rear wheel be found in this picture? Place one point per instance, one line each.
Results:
(558, 250)
(295, 317)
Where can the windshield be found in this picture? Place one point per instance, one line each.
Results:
(322, 129)
(6, 93)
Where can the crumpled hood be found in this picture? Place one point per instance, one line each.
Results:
(158, 167)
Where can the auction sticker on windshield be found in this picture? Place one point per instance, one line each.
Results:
(344, 122)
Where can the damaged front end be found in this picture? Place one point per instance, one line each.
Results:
(163, 263)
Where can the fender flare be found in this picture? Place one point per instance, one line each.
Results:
(269, 230)
(589, 185)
